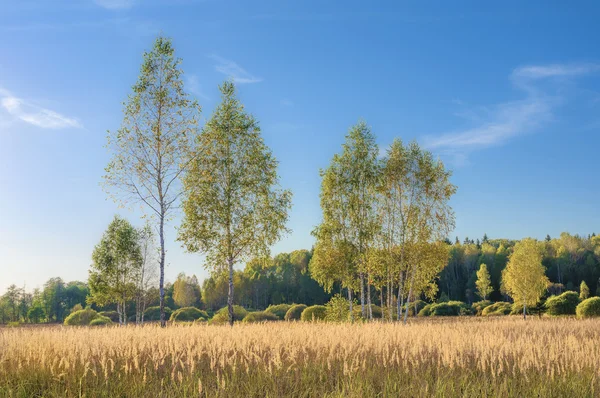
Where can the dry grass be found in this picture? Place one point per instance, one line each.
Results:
(458, 357)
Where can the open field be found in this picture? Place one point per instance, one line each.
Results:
(453, 357)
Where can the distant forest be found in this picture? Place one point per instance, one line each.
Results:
(286, 278)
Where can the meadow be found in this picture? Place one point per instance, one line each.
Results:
(449, 357)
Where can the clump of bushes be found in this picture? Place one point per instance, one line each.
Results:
(279, 310)
(101, 321)
(414, 307)
(153, 313)
(337, 309)
(451, 308)
(260, 316)
(112, 315)
(565, 304)
(496, 309)
(222, 316)
(187, 314)
(315, 312)
(294, 313)
(375, 309)
(81, 317)
(589, 308)
(479, 306)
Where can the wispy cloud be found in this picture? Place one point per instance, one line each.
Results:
(193, 85)
(233, 70)
(33, 114)
(115, 4)
(498, 124)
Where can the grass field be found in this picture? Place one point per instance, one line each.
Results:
(472, 357)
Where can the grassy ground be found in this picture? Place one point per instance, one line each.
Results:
(471, 357)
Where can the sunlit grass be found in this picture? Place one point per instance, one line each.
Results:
(456, 357)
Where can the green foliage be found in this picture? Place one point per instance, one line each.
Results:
(338, 309)
(426, 310)
(222, 316)
(233, 206)
(187, 314)
(584, 291)
(186, 291)
(260, 316)
(81, 317)
(279, 310)
(375, 309)
(77, 307)
(315, 312)
(36, 312)
(565, 304)
(101, 321)
(295, 312)
(451, 308)
(499, 308)
(479, 306)
(153, 313)
(112, 315)
(589, 308)
(483, 284)
(418, 304)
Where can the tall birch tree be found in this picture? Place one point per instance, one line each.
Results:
(233, 206)
(149, 149)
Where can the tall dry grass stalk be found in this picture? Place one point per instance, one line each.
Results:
(458, 357)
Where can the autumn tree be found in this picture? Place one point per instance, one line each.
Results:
(483, 284)
(116, 262)
(149, 149)
(233, 207)
(414, 193)
(524, 278)
(186, 291)
(349, 223)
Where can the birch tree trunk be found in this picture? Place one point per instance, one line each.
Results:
(230, 295)
(161, 286)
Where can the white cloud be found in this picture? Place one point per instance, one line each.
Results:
(115, 4)
(33, 114)
(193, 85)
(499, 123)
(234, 71)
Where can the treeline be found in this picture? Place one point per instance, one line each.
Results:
(569, 260)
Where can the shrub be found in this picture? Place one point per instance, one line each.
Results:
(375, 309)
(260, 316)
(499, 308)
(153, 313)
(186, 314)
(101, 321)
(451, 308)
(565, 304)
(589, 308)
(418, 304)
(294, 312)
(13, 324)
(425, 311)
(315, 312)
(222, 316)
(338, 309)
(112, 315)
(77, 307)
(279, 310)
(81, 317)
(480, 305)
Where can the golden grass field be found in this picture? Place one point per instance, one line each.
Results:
(472, 357)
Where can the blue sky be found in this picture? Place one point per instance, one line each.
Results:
(507, 94)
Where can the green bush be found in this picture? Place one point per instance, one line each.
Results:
(517, 309)
(426, 310)
(81, 317)
(565, 304)
(315, 312)
(338, 309)
(295, 312)
(153, 313)
(112, 315)
(187, 314)
(222, 316)
(499, 308)
(279, 310)
(418, 304)
(260, 316)
(375, 310)
(589, 308)
(101, 321)
(451, 308)
(480, 305)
